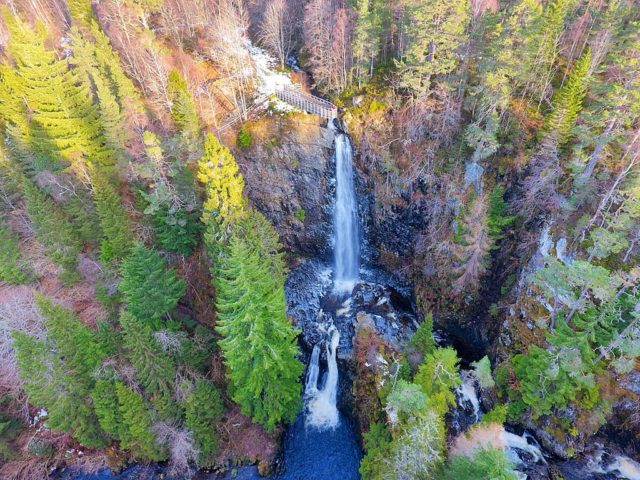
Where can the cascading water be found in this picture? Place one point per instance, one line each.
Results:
(321, 403)
(345, 218)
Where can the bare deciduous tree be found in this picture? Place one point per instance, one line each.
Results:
(183, 453)
(277, 29)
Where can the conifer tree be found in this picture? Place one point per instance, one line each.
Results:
(259, 342)
(155, 370)
(136, 417)
(366, 39)
(223, 183)
(150, 289)
(435, 33)
(63, 123)
(567, 102)
(438, 377)
(183, 110)
(204, 408)
(13, 268)
(58, 372)
(497, 220)
(53, 230)
(115, 224)
(105, 402)
(486, 463)
(81, 11)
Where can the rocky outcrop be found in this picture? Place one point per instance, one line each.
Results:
(288, 175)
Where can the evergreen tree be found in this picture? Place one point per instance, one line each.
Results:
(366, 39)
(223, 183)
(183, 110)
(567, 102)
(58, 372)
(63, 124)
(114, 221)
(422, 340)
(136, 417)
(258, 341)
(105, 402)
(13, 268)
(486, 463)
(177, 231)
(155, 370)
(438, 377)
(497, 219)
(435, 34)
(150, 289)
(53, 230)
(204, 408)
(377, 444)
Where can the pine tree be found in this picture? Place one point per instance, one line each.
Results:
(114, 221)
(366, 39)
(53, 230)
(183, 110)
(486, 463)
(58, 372)
(105, 402)
(155, 370)
(204, 408)
(258, 341)
(13, 268)
(177, 231)
(438, 377)
(150, 289)
(81, 11)
(64, 125)
(497, 220)
(136, 417)
(567, 102)
(435, 33)
(223, 183)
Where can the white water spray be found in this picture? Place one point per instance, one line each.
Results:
(321, 403)
(345, 218)
(466, 393)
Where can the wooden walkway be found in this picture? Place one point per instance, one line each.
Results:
(304, 101)
(307, 102)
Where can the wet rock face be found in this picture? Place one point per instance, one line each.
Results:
(313, 307)
(288, 174)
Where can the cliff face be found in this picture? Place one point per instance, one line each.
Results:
(288, 173)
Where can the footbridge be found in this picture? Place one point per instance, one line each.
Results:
(307, 102)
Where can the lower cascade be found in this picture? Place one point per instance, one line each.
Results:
(321, 402)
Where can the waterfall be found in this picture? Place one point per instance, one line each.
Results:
(466, 394)
(321, 403)
(345, 218)
(311, 386)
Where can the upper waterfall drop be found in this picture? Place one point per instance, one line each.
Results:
(345, 218)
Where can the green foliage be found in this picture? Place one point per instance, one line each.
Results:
(259, 344)
(58, 372)
(177, 231)
(497, 414)
(482, 370)
(52, 115)
(150, 289)
(406, 399)
(155, 370)
(53, 230)
(438, 377)
(244, 139)
(204, 408)
(40, 447)
(435, 33)
(422, 340)
(300, 215)
(567, 101)
(487, 463)
(377, 445)
(418, 452)
(105, 402)
(223, 183)
(13, 268)
(9, 430)
(114, 221)
(137, 435)
(183, 110)
(497, 220)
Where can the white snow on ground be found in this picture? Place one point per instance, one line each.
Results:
(268, 78)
